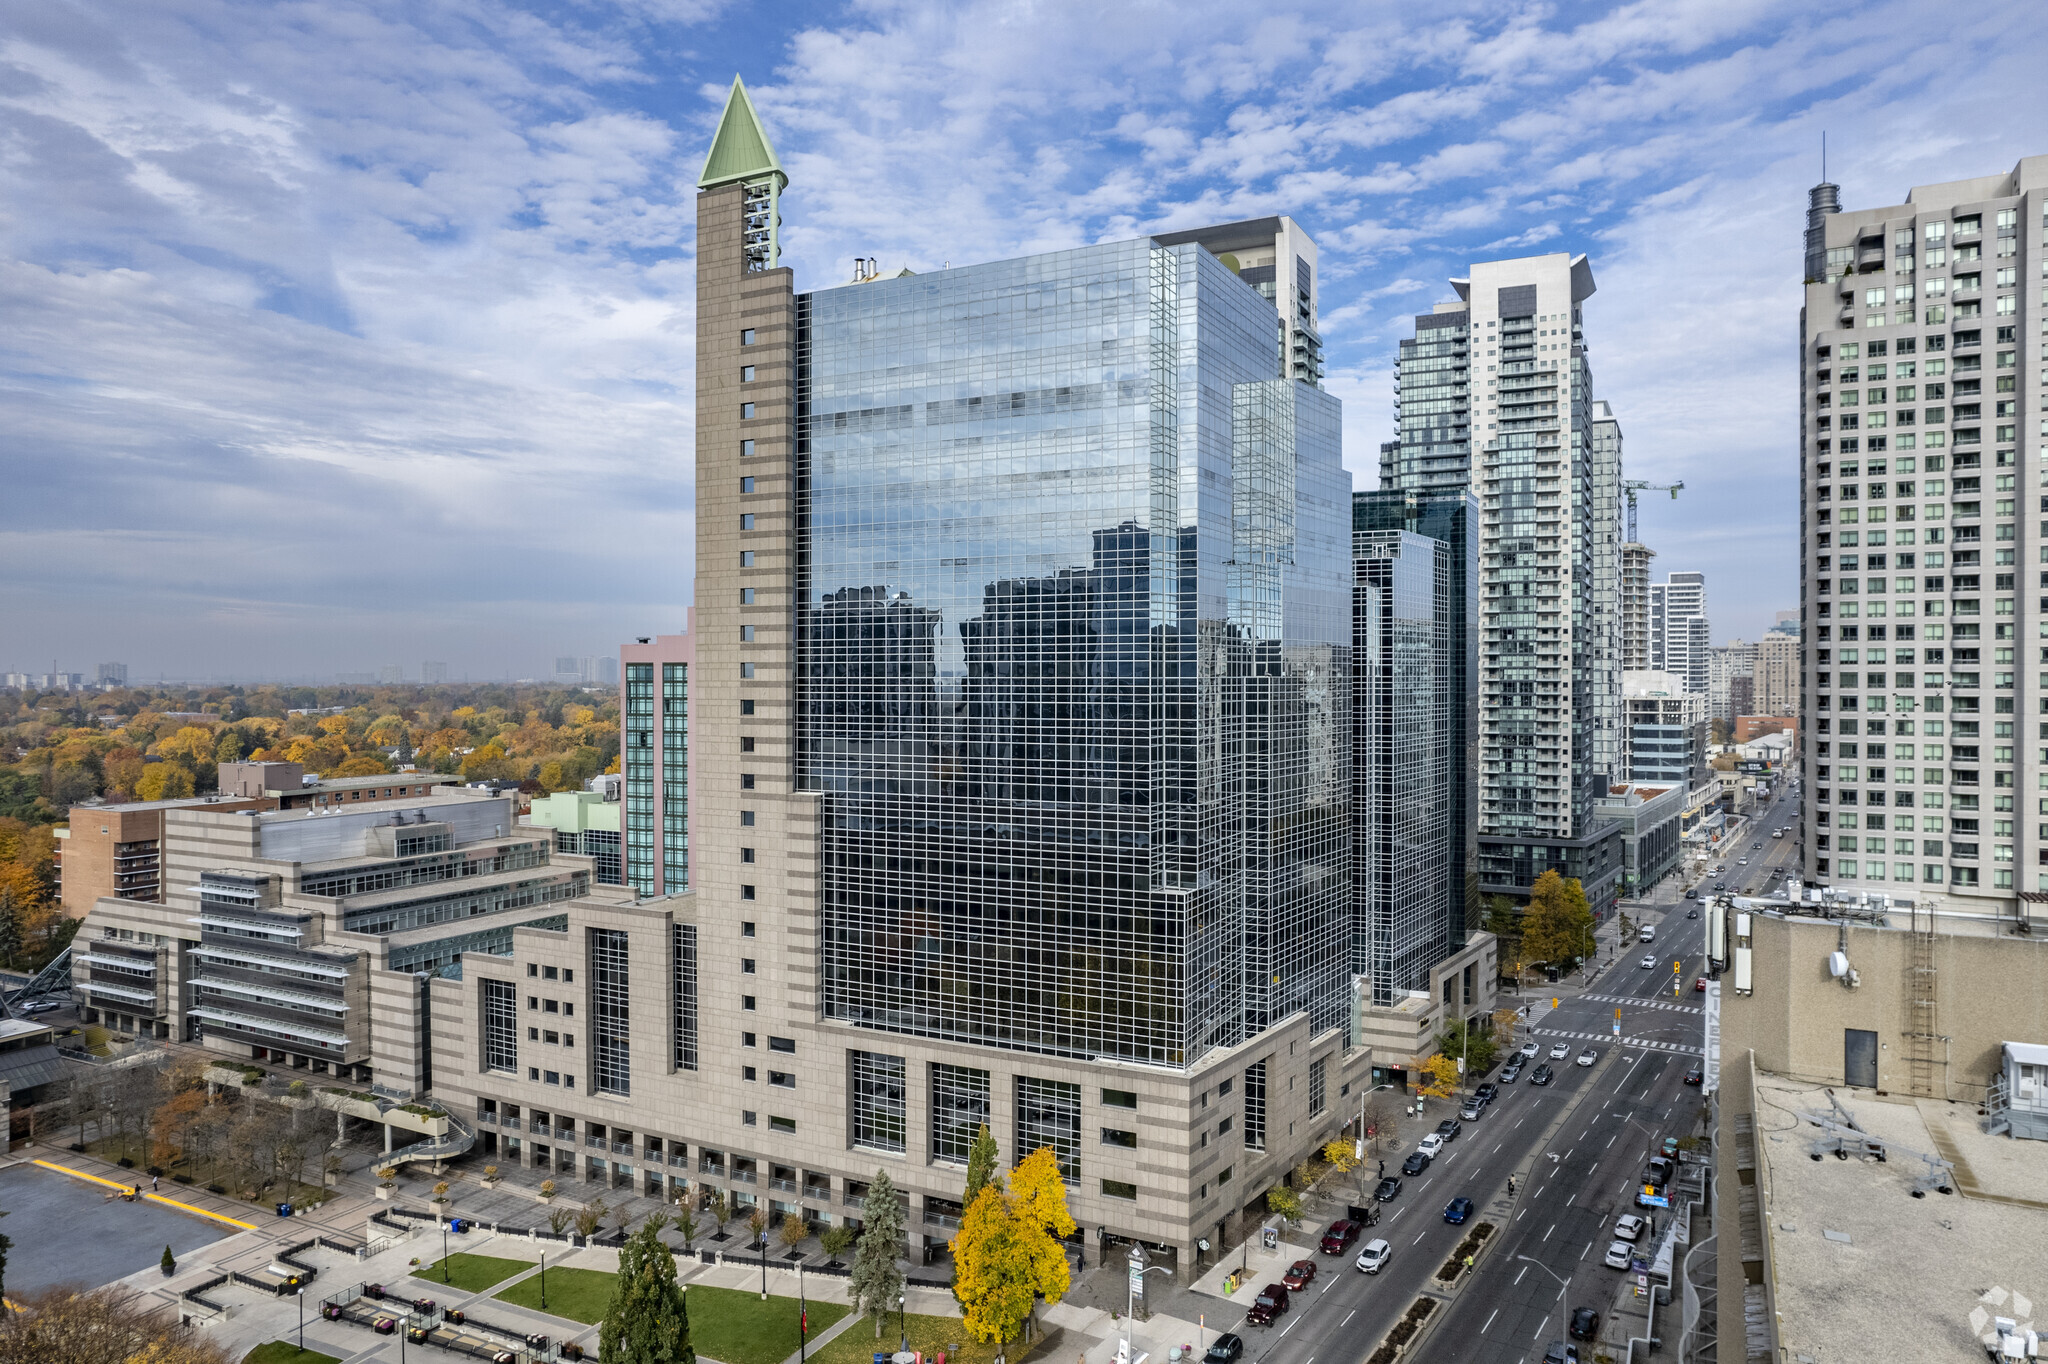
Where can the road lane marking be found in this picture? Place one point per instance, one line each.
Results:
(1519, 1277)
(1587, 1251)
(1347, 1318)
(1418, 1237)
(1489, 1320)
(1553, 1227)
(1610, 1141)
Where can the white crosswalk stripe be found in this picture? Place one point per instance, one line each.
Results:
(1642, 1003)
(1652, 1044)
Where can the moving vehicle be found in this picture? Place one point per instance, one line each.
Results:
(1373, 1257)
(1629, 1227)
(1756, 847)
(1342, 1233)
(1647, 934)
(1227, 1348)
(1269, 1305)
(1619, 1253)
(1528, 1049)
(1585, 1323)
(1298, 1275)
(1692, 914)
(1648, 962)
(1697, 1074)
(1431, 1146)
(1542, 1075)
(1387, 1190)
(1692, 895)
(1699, 985)
(1448, 1129)
(1457, 1210)
(1778, 833)
(1560, 1051)
(1416, 1163)
(1588, 1057)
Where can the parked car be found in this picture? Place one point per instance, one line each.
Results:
(1561, 1352)
(1472, 1108)
(1585, 1323)
(1416, 1163)
(1541, 1075)
(1373, 1256)
(1511, 1072)
(1431, 1146)
(1341, 1233)
(1298, 1275)
(1457, 1210)
(1697, 1074)
(1588, 1057)
(1629, 1227)
(1487, 1092)
(1619, 1253)
(1227, 1348)
(1387, 1190)
(1659, 1171)
(1268, 1306)
(1448, 1129)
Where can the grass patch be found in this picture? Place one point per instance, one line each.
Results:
(578, 1294)
(473, 1273)
(857, 1343)
(285, 1352)
(736, 1326)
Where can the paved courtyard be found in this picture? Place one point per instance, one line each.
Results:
(66, 1231)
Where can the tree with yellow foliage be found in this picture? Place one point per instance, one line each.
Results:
(1341, 1156)
(992, 1268)
(1436, 1078)
(1040, 1194)
(163, 781)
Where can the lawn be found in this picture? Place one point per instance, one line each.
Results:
(578, 1294)
(736, 1326)
(285, 1352)
(473, 1273)
(857, 1343)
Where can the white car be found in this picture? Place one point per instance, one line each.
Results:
(1648, 963)
(1373, 1256)
(1560, 1051)
(1619, 1253)
(1529, 1049)
(1629, 1227)
(1588, 1057)
(1431, 1146)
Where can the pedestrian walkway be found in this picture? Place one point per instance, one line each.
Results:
(1642, 1003)
(1650, 1043)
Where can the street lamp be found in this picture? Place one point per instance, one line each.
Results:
(444, 1249)
(1564, 1285)
(902, 1330)
(543, 1281)
(300, 1294)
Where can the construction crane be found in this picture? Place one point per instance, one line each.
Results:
(1632, 486)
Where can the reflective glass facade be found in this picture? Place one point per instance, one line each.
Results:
(637, 765)
(1073, 657)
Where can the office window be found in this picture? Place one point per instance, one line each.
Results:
(877, 1097)
(501, 1026)
(1318, 1085)
(746, 596)
(746, 411)
(1255, 1107)
(1049, 1114)
(1117, 1136)
(746, 449)
(1116, 1188)
(960, 1107)
(746, 558)
(747, 484)
(610, 1025)
(683, 986)
(746, 336)
(786, 1045)
(746, 374)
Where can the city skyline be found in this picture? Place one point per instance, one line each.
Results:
(422, 385)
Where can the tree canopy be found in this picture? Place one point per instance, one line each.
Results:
(648, 1321)
(1558, 925)
(877, 1280)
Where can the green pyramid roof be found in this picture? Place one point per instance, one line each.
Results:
(741, 150)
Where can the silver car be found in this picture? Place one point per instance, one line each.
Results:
(1373, 1256)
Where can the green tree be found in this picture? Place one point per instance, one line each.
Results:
(648, 1321)
(1477, 1048)
(1504, 920)
(877, 1280)
(981, 1165)
(1558, 925)
(992, 1267)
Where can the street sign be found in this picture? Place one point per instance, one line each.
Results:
(1617, 1027)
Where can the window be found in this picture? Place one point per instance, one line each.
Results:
(746, 596)
(1255, 1107)
(746, 819)
(1318, 1083)
(746, 781)
(746, 671)
(785, 1045)
(747, 1118)
(747, 855)
(746, 411)
(747, 1003)
(746, 449)
(746, 558)
(960, 1106)
(749, 1074)
(784, 1125)
(746, 336)
(1116, 1188)
(746, 520)
(746, 1039)
(548, 973)
(609, 1023)
(782, 1079)
(746, 966)
(1116, 1136)
(501, 1026)
(746, 374)
(746, 634)
(1049, 1114)
(877, 1098)
(1119, 1098)
(532, 970)
(746, 892)
(747, 484)
(747, 707)
(551, 1007)
(683, 976)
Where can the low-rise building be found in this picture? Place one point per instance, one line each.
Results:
(585, 824)
(1652, 822)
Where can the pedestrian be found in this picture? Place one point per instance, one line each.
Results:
(1468, 1264)
(153, 1183)
(1511, 1184)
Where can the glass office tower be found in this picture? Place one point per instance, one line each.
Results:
(1073, 657)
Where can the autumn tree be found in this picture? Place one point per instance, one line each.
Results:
(163, 781)
(1342, 1156)
(107, 1326)
(1038, 1193)
(1437, 1077)
(1284, 1203)
(1558, 924)
(992, 1275)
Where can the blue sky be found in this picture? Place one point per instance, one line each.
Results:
(356, 332)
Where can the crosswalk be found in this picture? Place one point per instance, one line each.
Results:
(1644, 1002)
(1678, 1047)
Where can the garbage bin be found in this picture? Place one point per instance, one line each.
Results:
(284, 1210)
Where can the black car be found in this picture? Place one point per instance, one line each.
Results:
(1541, 1075)
(1387, 1190)
(1415, 1164)
(1692, 914)
(1487, 1092)
(1697, 1074)
(1692, 895)
(1228, 1349)
(1585, 1323)
(1448, 1129)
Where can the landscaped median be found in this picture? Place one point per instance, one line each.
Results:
(1403, 1332)
(1451, 1268)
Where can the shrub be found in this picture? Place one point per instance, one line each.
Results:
(181, 1179)
(547, 1188)
(490, 1172)
(125, 1163)
(215, 1188)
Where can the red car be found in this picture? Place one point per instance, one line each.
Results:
(1298, 1274)
(1271, 1302)
(1699, 984)
(1341, 1234)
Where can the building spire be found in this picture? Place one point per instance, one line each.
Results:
(741, 150)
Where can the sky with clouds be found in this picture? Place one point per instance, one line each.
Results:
(352, 332)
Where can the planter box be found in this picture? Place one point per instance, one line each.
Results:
(384, 1192)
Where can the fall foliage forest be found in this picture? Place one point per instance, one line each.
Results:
(58, 750)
